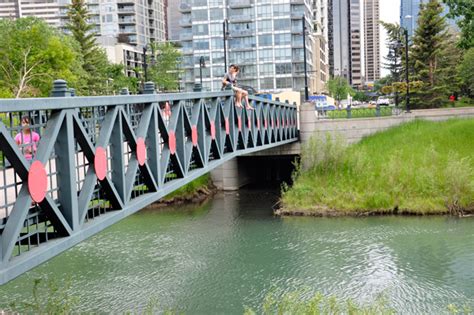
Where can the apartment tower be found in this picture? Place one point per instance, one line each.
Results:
(265, 38)
(372, 40)
(345, 36)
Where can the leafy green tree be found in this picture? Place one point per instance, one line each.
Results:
(360, 96)
(432, 57)
(118, 80)
(164, 66)
(95, 60)
(463, 11)
(466, 72)
(339, 88)
(32, 55)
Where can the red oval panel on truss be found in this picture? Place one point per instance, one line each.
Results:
(37, 181)
(239, 123)
(227, 126)
(100, 163)
(172, 142)
(194, 135)
(141, 151)
(213, 130)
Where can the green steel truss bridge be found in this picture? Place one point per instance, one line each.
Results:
(101, 159)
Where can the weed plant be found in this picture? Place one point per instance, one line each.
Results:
(419, 167)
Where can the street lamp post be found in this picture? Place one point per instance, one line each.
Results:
(306, 92)
(202, 64)
(225, 28)
(407, 78)
(145, 65)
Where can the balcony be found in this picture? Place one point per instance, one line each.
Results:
(127, 20)
(185, 7)
(186, 36)
(241, 33)
(241, 18)
(127, 30)
(185, 22)
(297, 2)
(126, 1)
(296, 15)
(187, 51)
(240, 3)
(126, 10)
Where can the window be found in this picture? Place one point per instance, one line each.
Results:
(282, 39)
(282, 24)
(266, 54)
(264, 26)
(265, 40)
(199, 15)
(283, 68)
(283, 83)
(200, 29)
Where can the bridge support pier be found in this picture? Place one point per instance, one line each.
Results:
(229, 177)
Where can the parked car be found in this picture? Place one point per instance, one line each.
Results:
(382, 101)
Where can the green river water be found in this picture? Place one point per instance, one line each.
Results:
(231, 252)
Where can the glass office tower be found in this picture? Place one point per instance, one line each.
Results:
(263, 37)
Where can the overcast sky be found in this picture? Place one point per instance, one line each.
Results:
(389, 12)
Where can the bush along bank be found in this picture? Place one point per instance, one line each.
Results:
(196, 191)
(417, 168)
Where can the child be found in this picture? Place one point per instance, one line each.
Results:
(27, 139)
(230, 81)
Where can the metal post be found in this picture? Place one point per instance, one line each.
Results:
(406, 72)
(224, 30)
(145, 66)
(201, 64)
(306, 93)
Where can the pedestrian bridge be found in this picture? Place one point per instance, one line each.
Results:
(100, 159)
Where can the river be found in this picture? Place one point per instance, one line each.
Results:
(230, 252)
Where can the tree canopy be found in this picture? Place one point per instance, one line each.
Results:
(339, 88)
(164, 66)
(463, 12)
(32, 55)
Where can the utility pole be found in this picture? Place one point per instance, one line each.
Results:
(407, 78)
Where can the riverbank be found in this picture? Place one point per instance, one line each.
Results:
(419, 168)
(196, 191)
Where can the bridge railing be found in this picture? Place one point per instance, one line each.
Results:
(87, 162)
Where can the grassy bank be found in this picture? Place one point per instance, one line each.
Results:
(417, 168)
(201, 186)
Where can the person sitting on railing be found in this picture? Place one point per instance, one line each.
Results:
(230, 82)
(27, 139)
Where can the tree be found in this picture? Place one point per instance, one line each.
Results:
(164, 72)
(429, 57)
(118, 80)
(393, 60)
(466, 72)
(32, 55)
(95, 60)
(463, 11)
(339, 88)
(360, 96)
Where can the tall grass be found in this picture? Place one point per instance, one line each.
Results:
(419, 167)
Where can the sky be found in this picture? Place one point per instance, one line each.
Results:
(389, 12)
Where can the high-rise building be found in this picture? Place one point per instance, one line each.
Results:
(346, 40)
(174, 20)
(135, 22)
(265, 38)
(412, 8)
(372, 40)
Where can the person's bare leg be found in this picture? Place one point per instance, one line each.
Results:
(248, 106)
(238, 97)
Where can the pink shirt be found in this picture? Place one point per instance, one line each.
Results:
(28, 143)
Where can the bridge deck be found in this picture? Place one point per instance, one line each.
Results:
(101, 159)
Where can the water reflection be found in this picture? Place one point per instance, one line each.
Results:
(231, 252)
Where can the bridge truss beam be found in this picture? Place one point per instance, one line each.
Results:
(101, 159)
